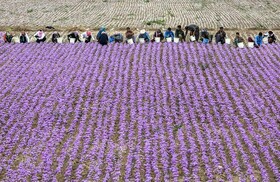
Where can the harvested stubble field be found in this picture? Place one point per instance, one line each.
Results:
(236, 14)
(143, 112)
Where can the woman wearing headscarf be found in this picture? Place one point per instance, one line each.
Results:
(8, 37)
(23, 38)
(55, 36)
(101, 30)
(74, 35)
(271, 37)
(103, 38)
(87, 36)
(40, 36)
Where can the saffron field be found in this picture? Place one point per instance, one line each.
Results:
(143, 112)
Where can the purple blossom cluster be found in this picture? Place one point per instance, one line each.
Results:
(143, 112)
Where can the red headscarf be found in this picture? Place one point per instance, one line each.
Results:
(88, 33)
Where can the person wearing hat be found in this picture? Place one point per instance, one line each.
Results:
(169, 34)
(74, 35)
(40, 36)
(159, 34)
(221, 36)
(259, 39)
(55, 35)
(87, 36)
(271, 37)
(194, 31)
(116, 37)
(179, 33)
(237, 39)
(129, 34)
(143, 34)
(23, 38)
(8, 37)
(103, 38)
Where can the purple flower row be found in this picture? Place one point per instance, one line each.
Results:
(143, 112)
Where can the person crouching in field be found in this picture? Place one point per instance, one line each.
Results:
(74, 35)
(194, 31)
(23, 38)
(250, 39)
(101, 30)
(159, 34)
(144, 35)
(237, 39)
(129, 34)
(259, 39)
(179, 33)
(169, 34)
(87, 36)
(40, 36)
(205, 36)
(271, 37)
(116, 37)
(221, 36)
(103, 38)
(8, 37)
(55, 36)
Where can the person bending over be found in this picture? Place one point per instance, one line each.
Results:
(221, 36)
(55, 36)
(74, 35)
(194, 31)
(40, 36)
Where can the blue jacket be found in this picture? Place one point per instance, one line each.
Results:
(168, 34)
(145, 36)
(205, 41)
(116, 38)
(259, 40)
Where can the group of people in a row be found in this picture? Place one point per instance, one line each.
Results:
(103, 38)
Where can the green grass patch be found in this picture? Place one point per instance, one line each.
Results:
(158, 22)
(30, 10)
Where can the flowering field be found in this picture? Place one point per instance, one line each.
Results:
(153, 112)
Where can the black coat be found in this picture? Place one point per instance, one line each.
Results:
(54, 37)
(103, 39)
(23, 39)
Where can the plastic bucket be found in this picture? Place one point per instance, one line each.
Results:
(72, 40)
(15, 40)
(251, 44)
(83, 39)
(169, 39)
(130, 41)
(176, 40)
(59, 40)
(265, 40)
(157, 39)
(192, 38)
(142, 40)
(241, 45)
(227, 41)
